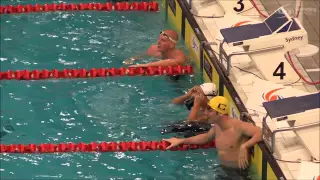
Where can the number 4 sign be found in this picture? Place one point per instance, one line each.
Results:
(280, 71)
(274, 67)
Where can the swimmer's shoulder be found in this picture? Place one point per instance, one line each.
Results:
(153, 48)
(179, 52)
(153, 51)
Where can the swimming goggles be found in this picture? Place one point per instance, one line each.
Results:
(168, 37)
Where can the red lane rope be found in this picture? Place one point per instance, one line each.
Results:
(99, 147)
(95, 73)
(119, 6)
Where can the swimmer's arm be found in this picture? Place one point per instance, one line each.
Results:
(194, 112)
(178, 60)
(180, 99)
(201, 119)
(201, 138)
(166, 62)
(137, 57)
(152, 49)
(149, 52)
(252, 131)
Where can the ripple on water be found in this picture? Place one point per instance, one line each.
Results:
(81, 110)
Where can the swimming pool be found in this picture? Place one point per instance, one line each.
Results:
(90, 110)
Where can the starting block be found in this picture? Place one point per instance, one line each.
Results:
(267, 43)
(305, 114)
(279, 29)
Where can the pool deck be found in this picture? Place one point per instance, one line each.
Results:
(289, 146)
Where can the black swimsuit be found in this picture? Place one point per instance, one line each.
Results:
(187, 129)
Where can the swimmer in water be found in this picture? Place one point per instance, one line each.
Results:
(165, 49)
(233, 137)
(196, 101)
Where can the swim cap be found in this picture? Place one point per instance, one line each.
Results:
(219, 104)
(209, 89)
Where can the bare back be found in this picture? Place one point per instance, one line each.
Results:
(228, 144)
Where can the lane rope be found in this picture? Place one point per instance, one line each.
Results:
(99, 147)
(92, 73)
(119, 6)
(95, 73)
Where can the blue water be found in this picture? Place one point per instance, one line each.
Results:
(87, 110)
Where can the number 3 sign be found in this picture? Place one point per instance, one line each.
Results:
(240, 6)
(235, 6)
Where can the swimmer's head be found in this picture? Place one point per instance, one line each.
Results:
(218, 104)
(167, 40)
(209, 90)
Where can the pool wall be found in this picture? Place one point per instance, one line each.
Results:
(179, 16)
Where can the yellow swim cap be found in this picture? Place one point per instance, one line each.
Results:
(219, 104)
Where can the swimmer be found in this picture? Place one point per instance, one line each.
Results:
(196, 101)
(165, 50)
(233, 137)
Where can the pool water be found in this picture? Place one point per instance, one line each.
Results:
(90, 110)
